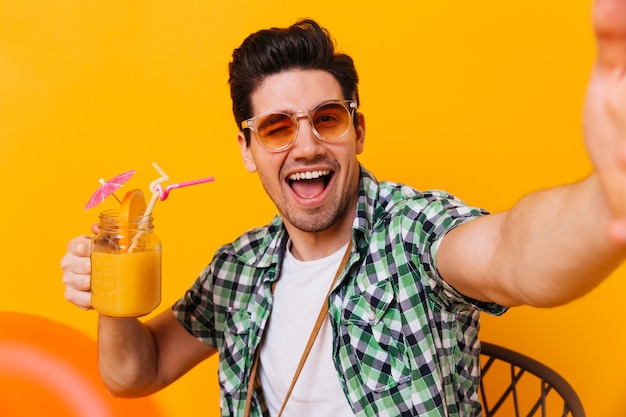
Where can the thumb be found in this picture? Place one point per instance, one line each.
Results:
(609, 18)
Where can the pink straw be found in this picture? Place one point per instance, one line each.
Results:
(163, 194)
(157, 189)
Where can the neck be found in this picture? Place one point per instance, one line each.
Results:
(308, 246)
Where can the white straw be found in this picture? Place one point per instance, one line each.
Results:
(153, 188)
(155, 195)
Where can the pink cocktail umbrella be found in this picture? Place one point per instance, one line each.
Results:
(108, 188)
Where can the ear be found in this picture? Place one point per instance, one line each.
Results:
(246, 154)
(360, 133)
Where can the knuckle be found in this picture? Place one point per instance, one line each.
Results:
(67, 280)
(76, 282)
(87, 266)
(86, 283)
(80, 299)
(66, 261)
(76, 264)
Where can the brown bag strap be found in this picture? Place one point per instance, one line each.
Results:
(251, 383)
(316, 329)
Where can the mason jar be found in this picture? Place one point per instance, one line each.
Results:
(125, 266)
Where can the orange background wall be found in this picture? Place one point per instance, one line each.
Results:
(482, 99)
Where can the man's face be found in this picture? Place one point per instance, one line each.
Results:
(328, 199)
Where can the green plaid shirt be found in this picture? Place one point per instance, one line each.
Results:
(406, 343)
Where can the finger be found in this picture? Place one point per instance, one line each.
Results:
(70, 263)
(81, 299)
(80, 246)
(609, 17)
(77, 289)
(95, 228)
(79, 282)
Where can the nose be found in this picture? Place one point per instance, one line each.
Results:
(306, 143)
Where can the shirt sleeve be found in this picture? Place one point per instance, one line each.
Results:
(438, 213)
(195, 310)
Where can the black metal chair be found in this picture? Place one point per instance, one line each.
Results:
(515, 383)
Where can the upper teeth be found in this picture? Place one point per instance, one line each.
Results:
(307, 175)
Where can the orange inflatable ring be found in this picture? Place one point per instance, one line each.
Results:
(50, 369)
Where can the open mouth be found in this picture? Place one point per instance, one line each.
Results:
(309, 184)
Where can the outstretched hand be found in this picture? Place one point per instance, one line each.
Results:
(605, 110)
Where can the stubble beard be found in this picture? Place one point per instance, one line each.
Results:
(320, 219)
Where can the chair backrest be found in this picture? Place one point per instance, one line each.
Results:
(512, 382)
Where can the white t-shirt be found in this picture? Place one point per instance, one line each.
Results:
(298, 297)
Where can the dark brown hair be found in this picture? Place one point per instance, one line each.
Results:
(303, 45)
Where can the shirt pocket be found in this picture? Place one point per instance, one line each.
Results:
(234, 352)
(373, 324)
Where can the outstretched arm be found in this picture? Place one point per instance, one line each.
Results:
(556, 245)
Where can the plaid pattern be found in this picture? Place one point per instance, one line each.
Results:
(406, 342)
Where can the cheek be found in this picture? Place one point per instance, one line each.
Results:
(270, 183)
(267, 166)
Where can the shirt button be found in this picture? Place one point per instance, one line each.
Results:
(408, 192)
(371, 316)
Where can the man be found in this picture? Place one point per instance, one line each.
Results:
(399, 336)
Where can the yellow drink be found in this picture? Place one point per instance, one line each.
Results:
(126, 284)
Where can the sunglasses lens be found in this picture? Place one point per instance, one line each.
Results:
(276, 130)
(331, 120)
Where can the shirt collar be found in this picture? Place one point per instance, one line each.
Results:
(367, 208)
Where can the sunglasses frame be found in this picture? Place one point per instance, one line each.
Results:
(349, 105)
